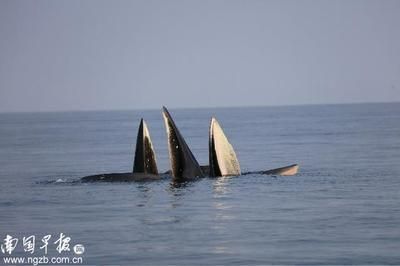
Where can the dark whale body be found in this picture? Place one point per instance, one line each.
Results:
(121, 177)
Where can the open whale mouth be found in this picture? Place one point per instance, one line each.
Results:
(184, 166)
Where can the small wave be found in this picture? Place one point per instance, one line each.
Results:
(58, 181)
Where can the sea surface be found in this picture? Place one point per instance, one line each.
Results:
(342, 208)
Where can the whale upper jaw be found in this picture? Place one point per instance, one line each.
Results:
(184, 165)
(145, 157)
(222, 157)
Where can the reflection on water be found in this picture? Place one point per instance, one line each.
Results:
(145, 194)
(223, 213)
(222, 250)
(220, 186)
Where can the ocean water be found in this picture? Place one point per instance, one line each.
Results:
(342, 208)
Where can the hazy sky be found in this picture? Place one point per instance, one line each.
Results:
(85, 55)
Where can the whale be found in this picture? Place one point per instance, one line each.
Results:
(145, 157)
(223, 161)
(184, 165)
(288, 170)
(144, 163)
(222, 157)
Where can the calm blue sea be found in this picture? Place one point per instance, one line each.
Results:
(342, 208)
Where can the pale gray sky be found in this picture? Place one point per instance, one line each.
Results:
(85, 55)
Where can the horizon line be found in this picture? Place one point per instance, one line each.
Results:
(196, 107)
